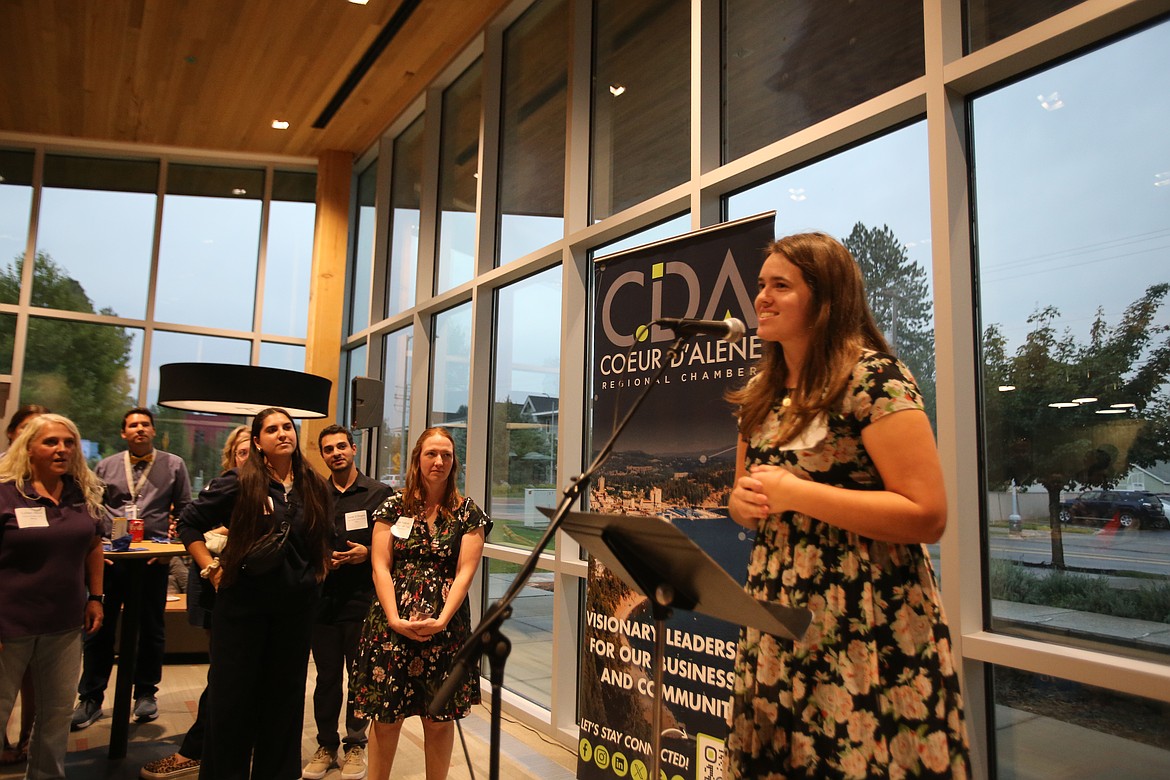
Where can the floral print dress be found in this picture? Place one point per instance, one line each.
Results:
(870, 690)
(395, 677)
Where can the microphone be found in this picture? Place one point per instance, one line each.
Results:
(730, 329)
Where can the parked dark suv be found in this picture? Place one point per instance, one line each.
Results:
(1135, 508)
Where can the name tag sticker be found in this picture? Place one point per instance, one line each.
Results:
(31, 517)
(402, 527)
(356, 521)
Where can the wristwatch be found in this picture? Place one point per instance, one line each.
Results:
(98, 597)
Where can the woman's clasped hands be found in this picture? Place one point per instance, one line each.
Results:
(761, 492)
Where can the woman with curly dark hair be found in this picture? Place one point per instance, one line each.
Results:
(263, 608)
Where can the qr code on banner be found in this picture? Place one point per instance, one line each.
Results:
(709, 763)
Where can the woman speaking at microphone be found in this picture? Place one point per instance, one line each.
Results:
(838, 475)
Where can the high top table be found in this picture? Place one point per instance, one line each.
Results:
(136, 558)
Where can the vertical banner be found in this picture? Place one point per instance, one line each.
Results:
(675, 462)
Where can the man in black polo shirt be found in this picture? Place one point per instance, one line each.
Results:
(345, 600)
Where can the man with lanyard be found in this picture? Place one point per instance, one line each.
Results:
(345, 600)
(152, 486)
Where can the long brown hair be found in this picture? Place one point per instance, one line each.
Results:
(414, 493)
(249, 521)
(842, 326)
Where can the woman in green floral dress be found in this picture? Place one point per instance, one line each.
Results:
(427, 544)
(838, 474)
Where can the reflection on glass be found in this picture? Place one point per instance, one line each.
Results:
(96, 225)
(641, 102)
(991, 20)
(209, 246)
(459, 179)
(532, 151)
(1050, 727)
(525, 408)
(290, 357)
(95, 390)
(363, 250)
(529, 628)
(675, 226)
(15, 208)
(1072, 237)
(451, 377)
(831, 55)
(405, 186)
(395, 448)
(289, 259)
(196, 438)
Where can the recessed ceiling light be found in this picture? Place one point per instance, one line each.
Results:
(616, 89)
(359, 2)
(239, 191)
(279, 124)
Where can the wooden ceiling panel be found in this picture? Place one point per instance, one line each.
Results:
(213, 74)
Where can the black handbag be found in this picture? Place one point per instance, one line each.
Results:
(267, 552)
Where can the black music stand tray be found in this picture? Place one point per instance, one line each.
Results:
(661, 562)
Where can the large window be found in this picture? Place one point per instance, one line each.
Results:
(1072, 229)
(641, 102)
(532, 136)
(209, 247)
(451, 377)
(289, 258)
(459, 179)
(789, 65)
(525, 409)
(405, 191)
(362, 259)
(395, 443)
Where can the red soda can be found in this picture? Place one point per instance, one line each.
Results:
(136, 530)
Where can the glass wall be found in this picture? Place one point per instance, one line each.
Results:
(91, 292)
(459, 179)
(1072, 229)
(362, 258)
(451, 377)
(395, 444)
(641, 102)
(787, 66)
(405, 190)
(532, 132)
(525, 409)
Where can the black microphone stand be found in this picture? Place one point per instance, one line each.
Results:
(487, 638)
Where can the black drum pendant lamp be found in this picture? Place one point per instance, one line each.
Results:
(223, 388)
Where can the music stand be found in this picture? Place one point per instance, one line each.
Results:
(661, 562)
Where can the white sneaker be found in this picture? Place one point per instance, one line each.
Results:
(321, 762)
(354, 767)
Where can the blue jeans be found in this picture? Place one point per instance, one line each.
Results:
(55, 660)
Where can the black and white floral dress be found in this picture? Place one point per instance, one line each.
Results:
(870, 690)
(395, 677)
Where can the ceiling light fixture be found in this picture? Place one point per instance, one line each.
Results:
(239, 191)
(1006, 388)
(1063, 405)
(1110, 411)
(279, 124)
(1086, 400)
(359, 2)
(1122, 406)
(616, 89)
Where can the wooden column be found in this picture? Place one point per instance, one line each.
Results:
(327, 288)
